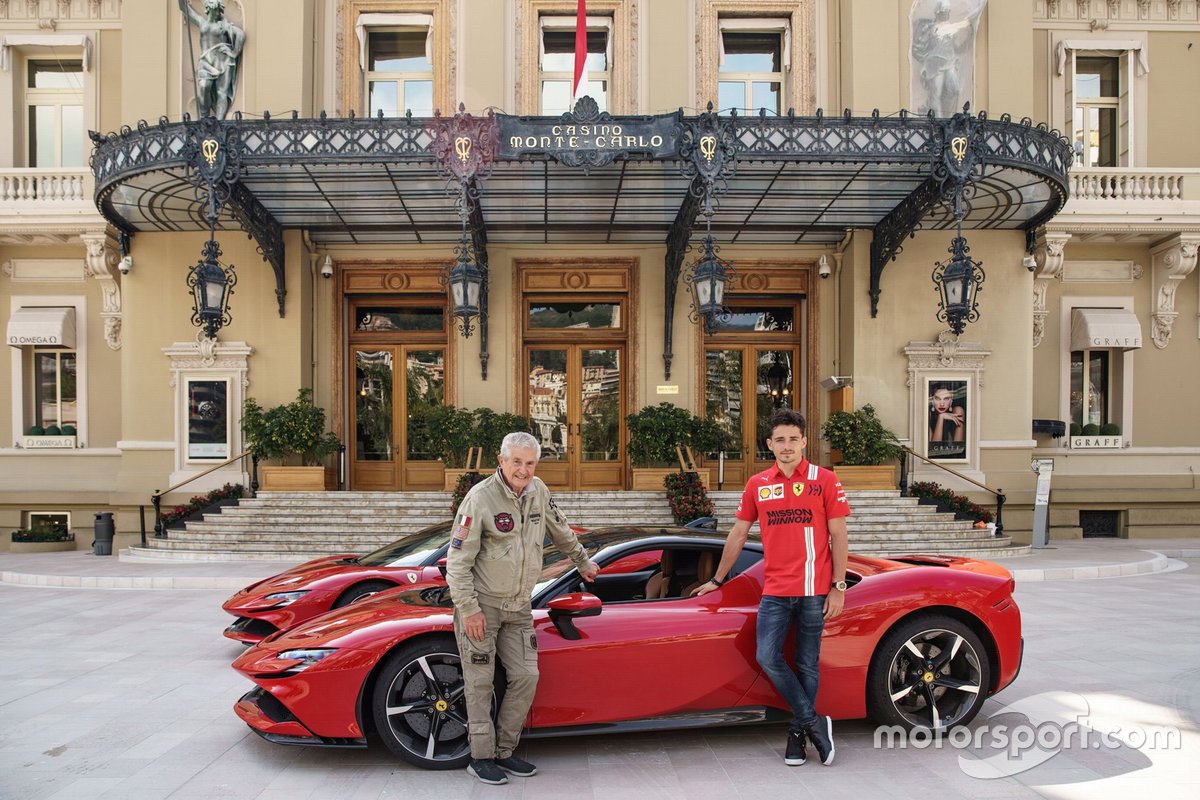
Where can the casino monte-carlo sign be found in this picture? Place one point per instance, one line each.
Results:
(587, 142)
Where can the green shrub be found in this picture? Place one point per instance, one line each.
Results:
(465, 482)
(1110, 429)
(53, 430)
(655, 431)
(687, 497)
(199, 502)
(452, 431)
(950, 501)
(42, 534)
(860, 437)
(68, 430)
(1091, 429)
(1076, 429)
(35, 430)
(294, 430)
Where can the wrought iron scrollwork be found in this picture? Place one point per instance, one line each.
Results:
(707, 149)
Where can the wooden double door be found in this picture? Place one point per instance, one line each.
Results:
(575, 400)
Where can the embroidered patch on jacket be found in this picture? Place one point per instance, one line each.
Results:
(535, 519)
(797, 489)
(479, 658)
(504, 522)
(533, 641)
(460, 533)
(456, 543)
(772, 492)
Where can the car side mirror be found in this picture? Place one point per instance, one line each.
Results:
(564, 610)
(441, 565)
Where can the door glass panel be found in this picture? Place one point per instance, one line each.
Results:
(601, 404)
(374, 319)
(548, 401)
(773, 390)
(763, 318)
(723, 395)
(373, 405)
(425, 382)
(574, 315)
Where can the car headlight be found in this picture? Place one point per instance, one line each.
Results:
(307, 657)
(286, 598)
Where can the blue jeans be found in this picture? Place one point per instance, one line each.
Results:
(776, 615)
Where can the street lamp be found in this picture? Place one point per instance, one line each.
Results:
(957, 283)
(211, 288)
(466, 283)
(708, 278)
(777, 381)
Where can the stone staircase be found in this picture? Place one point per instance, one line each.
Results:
(296, 526)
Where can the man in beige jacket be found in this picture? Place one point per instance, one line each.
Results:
(495, 559)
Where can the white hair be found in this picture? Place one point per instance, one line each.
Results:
(519, 440)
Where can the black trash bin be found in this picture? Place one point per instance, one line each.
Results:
(105, 529)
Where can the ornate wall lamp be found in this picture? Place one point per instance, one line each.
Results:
(708, 279)
(211, 287)
(957, 282)
(211, 283)
(465, 277)
(777, 376)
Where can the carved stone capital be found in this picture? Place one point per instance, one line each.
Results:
(1173, 260)
(100, 262)
(1048, 253)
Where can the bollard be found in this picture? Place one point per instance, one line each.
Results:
(105, 529)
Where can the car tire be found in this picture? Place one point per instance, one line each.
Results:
(361, 590)
(930, 672)
(432, 732)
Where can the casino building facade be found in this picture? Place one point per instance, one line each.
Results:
(759, 203)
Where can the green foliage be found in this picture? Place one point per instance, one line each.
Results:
(465, 482)
(655, 431)
(1091, 429)
(68, 430)
(489, 429)
(452, 431)
(687, 497)
(53, 430)
(229, 491)
(1110, 429)
(294, 430)
(1076, 429)
(35, 430)
(949, 501)
(46, 531)
(860, 437)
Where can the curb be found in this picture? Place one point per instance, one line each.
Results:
(104, 582)
(1158, 563)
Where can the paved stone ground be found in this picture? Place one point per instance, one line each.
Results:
(127, 693)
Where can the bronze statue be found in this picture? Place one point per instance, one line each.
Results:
(221, 44)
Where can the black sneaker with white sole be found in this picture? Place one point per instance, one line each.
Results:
(820, 733)
(794, 755)
(516, 766)
(485, 770)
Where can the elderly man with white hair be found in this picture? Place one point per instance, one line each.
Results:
(495, 559)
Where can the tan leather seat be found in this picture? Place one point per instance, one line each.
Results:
(706, 567)
(660, 582)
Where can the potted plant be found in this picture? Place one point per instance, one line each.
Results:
(291, 432)
(48, 538)
(864, 449)
(655, 432)
(452, 432)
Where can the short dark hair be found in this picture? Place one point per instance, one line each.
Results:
(785, 416)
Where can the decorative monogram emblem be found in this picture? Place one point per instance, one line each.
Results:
(209, 148)
(958, 147)
(462, 148)
(708, 147)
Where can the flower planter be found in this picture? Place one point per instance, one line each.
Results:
(452, 476)
(650, 479)
(296, 479)
(41, 547)
(878, 477)
(198, 515)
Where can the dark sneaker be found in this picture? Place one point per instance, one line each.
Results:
(486, 770)
(516, 766)
(794, 756)
(820, 734)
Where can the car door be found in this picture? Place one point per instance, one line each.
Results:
(640, 658)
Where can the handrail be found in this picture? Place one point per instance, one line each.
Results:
(156, 498)
(999, 493)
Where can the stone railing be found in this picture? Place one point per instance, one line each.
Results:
(44, 187)
(1135, 185)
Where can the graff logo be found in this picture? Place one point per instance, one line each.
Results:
(462, 146)
(210, 148)
(708, 147)
(958, 146)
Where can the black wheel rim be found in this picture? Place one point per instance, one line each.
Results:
(934, 679)
(426, 708)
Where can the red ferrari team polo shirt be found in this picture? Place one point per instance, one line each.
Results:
(792, 514)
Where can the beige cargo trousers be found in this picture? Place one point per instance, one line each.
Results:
(510, 637)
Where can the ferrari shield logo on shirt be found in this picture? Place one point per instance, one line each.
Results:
(772, 492)
(503, 522)
(797, 489)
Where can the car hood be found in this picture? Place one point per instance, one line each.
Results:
(303, 574)
(386, 615)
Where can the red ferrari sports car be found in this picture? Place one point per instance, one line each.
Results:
(922, 642)
(302, 592)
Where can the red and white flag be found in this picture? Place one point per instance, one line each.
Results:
(580, 85)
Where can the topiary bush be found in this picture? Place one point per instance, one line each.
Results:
(294, 430)
(1110, 429)
(860, 437)
(655, 431)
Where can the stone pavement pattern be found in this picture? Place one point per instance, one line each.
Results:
(127, 693)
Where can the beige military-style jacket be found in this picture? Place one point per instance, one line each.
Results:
(496, 544)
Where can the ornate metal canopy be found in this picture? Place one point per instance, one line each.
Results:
(646, 179)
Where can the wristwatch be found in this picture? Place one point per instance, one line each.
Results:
(840, 585)
(713, 580)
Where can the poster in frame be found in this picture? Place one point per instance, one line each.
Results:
(208, 419)
(948, 406)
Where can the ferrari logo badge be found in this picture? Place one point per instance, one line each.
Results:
(927, 677)
(441, 706)
(412, 577)
(797, 489)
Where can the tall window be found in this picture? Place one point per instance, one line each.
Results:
(399, 72)
(750, 76)
(558, 63)
(1091, 388)
(54, 388)
(54, 103)
(1095, 115)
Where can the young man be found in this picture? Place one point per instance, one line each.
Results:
(495, 559)
(801, 512)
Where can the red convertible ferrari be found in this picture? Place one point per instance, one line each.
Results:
(922, 642)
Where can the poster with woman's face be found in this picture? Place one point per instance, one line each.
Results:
(947, 419)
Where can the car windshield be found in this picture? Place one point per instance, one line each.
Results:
(411, 551)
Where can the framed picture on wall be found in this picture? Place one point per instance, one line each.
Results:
(208, 419)
(946, 435)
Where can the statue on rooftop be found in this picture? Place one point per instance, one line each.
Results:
(943, 54)
(221, 44)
